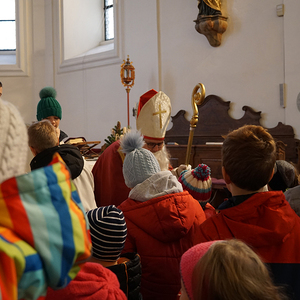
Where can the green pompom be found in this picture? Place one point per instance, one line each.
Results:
(48, 91)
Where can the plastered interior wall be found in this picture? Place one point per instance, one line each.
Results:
(259, 51)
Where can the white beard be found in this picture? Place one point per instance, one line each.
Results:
(162, 157)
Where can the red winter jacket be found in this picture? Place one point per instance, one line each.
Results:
(266, 222)
(161, 230)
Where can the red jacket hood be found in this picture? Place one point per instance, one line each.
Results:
(93, 282)
(265, 219)
(167, 218)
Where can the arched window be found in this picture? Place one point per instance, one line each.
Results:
(90, 33)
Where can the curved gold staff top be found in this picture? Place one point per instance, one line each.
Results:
(197, 99)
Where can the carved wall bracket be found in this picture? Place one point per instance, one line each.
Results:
(212, 27)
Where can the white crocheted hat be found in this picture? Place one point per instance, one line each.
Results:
(139, 163)
(13, 142)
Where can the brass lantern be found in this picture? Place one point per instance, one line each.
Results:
(127, 74)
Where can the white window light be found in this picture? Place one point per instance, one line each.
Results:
(13, 44)
(109, 19)
(7, 25)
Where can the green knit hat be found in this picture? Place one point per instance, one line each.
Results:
(48, 105)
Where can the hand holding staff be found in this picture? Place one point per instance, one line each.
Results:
(197, 99)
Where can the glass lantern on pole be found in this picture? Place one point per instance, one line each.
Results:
(127, 78)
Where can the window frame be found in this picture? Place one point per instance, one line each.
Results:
(108, 52)
(21, 67)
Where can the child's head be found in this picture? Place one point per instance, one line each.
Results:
(108, 232)
(249, 155)
(139, 163)
(42, 135)
(197, 182)
(226, 270)
(48, 107)
(285, 176)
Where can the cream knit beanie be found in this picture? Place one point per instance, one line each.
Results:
(13, 142)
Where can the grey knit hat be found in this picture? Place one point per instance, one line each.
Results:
(108, 232)
(293, 198)
(139, 163)
(14, 142)
(284, 176)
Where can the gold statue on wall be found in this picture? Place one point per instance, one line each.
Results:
(209, 7)
(210, 21)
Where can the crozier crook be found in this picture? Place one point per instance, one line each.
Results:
(197, 99)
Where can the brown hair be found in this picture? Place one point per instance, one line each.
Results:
(249, 155)
(230, 270)
(42, 135)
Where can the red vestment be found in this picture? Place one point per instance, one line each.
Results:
(110, 187)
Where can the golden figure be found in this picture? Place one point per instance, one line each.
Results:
(209, 7)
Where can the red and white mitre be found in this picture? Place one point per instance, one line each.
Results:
(153, 116)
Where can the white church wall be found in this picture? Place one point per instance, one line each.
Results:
(292, 63)
(245, 69)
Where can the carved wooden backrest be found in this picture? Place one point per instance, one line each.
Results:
(215, 122)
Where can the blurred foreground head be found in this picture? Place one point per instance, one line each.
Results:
(13, 142)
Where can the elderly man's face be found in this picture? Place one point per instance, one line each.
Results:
(153, 145)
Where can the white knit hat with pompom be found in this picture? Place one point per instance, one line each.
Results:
(13, 142)
(139, 163)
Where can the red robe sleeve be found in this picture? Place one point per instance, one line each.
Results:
(110, 187)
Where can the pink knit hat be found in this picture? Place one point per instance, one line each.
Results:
(188, 262)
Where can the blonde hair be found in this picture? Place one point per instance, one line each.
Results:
(230, 270)
(42, 135)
